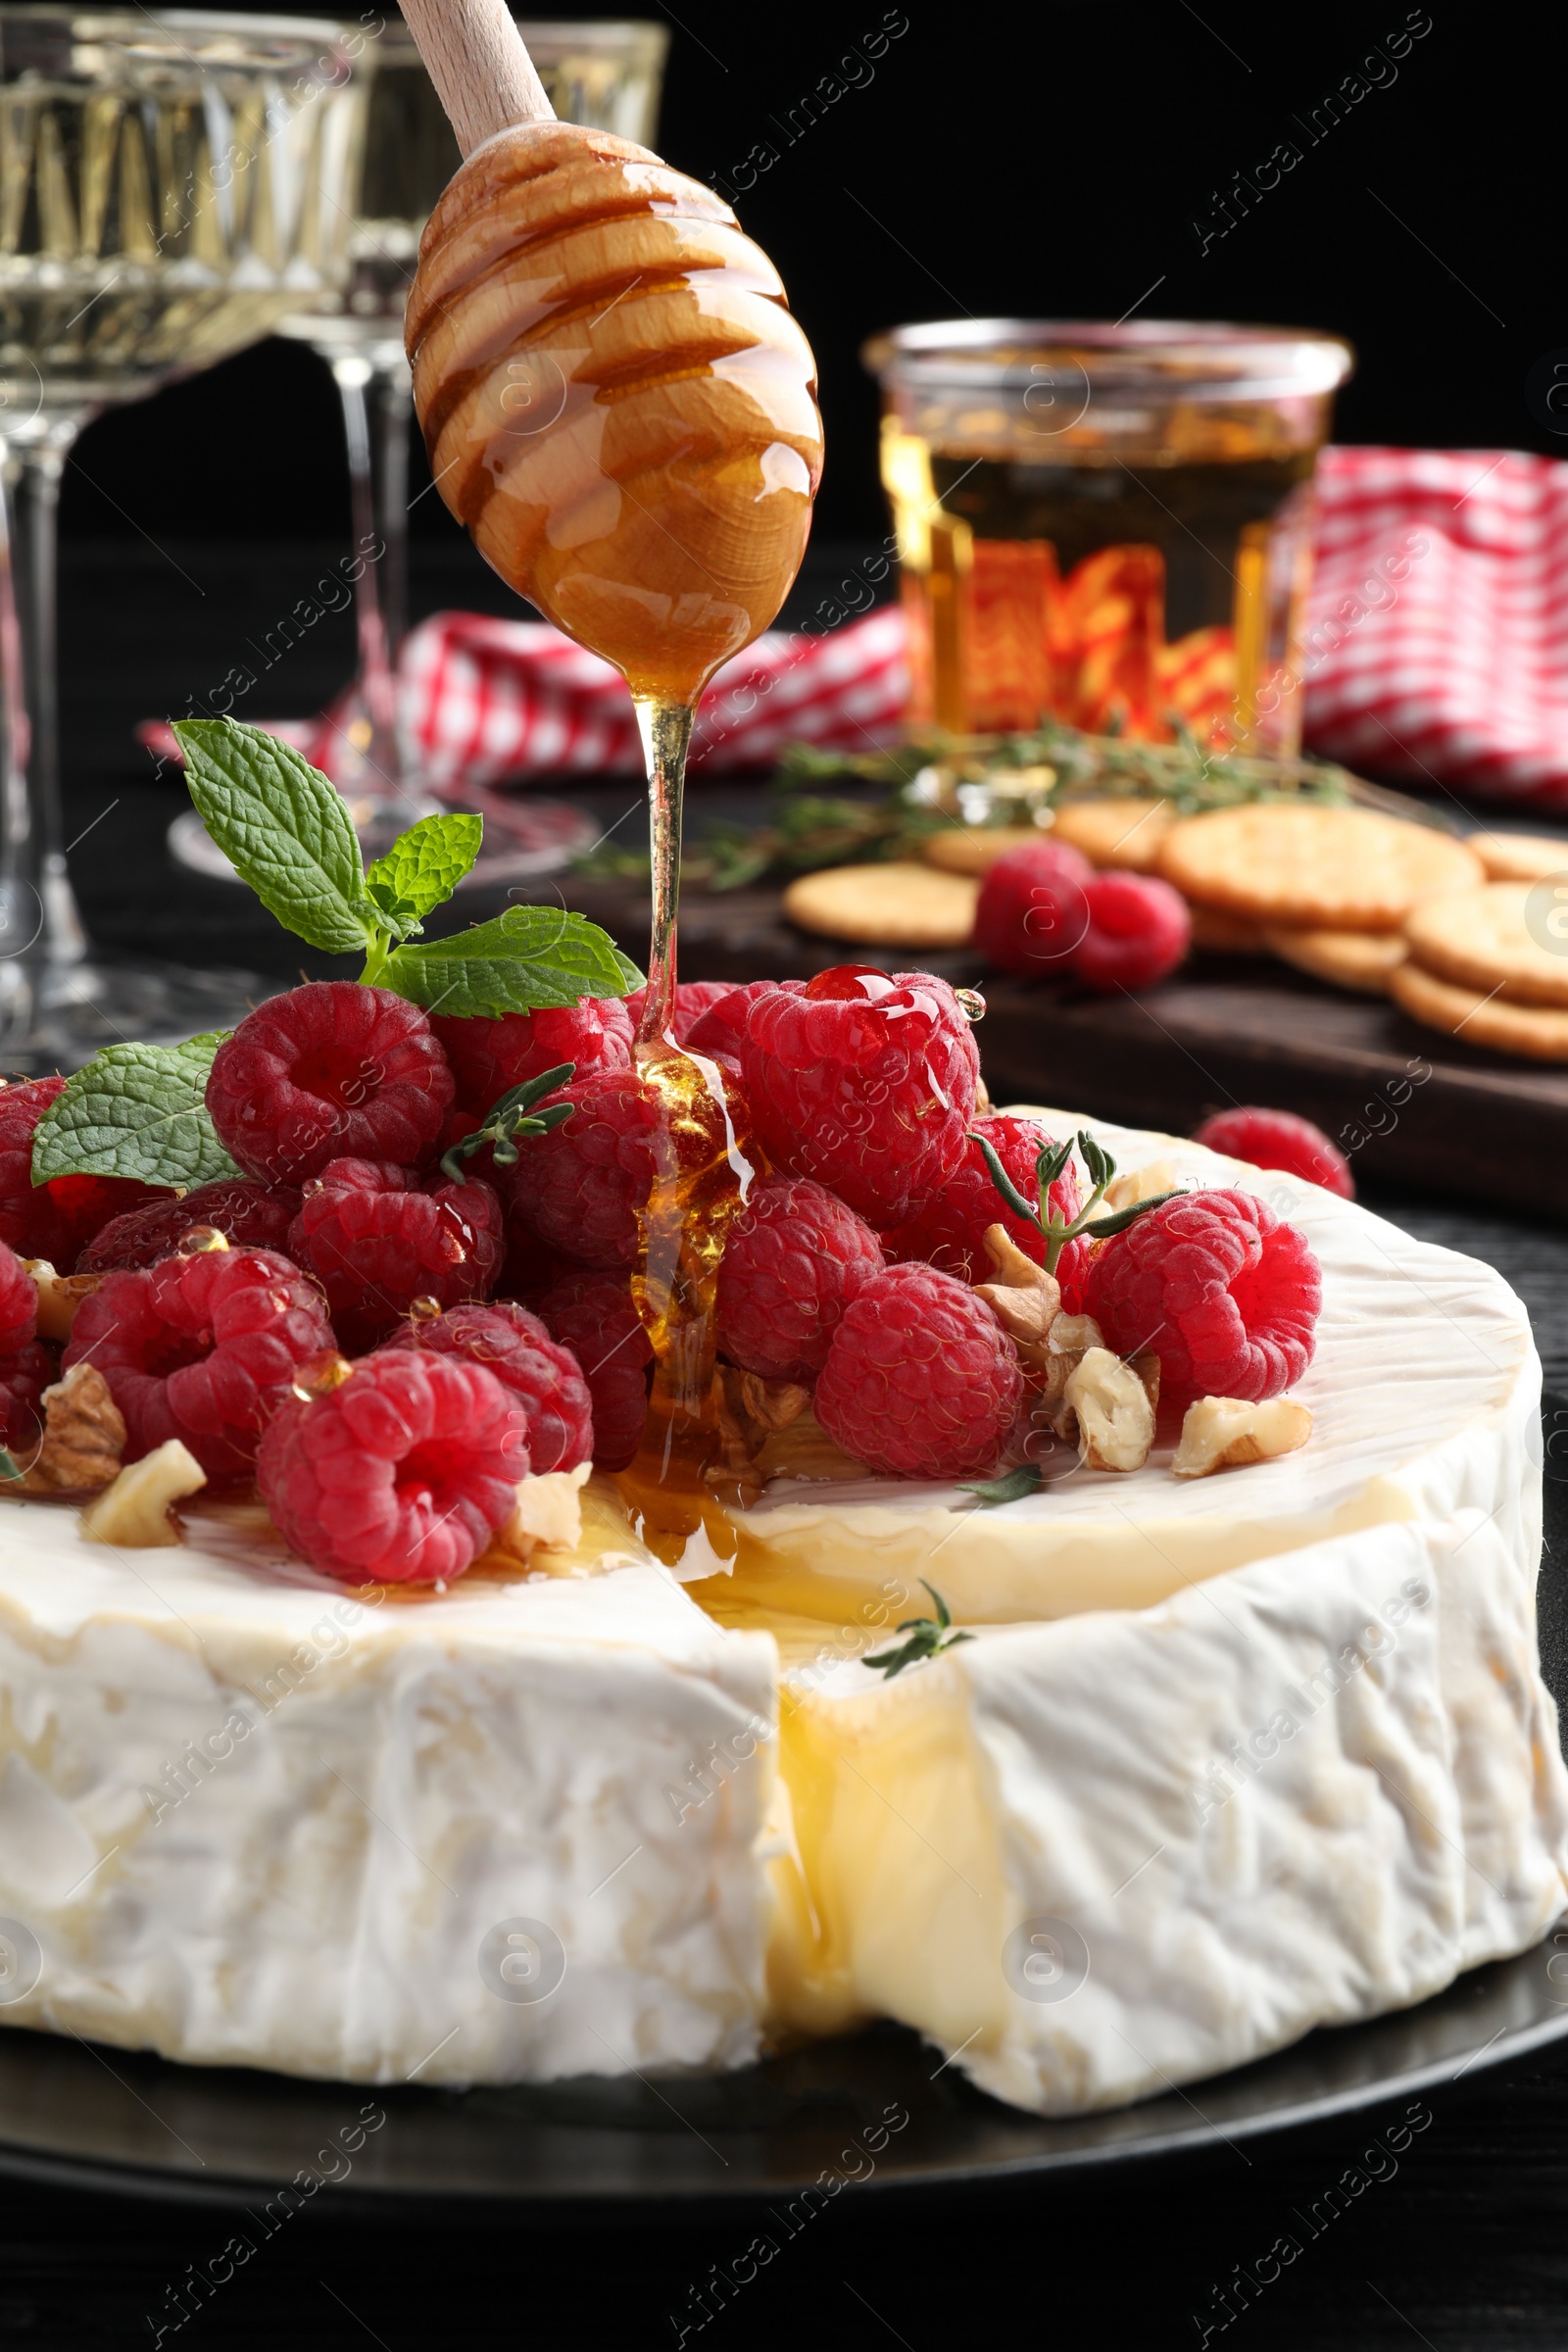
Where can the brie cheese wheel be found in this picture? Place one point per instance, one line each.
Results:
(1217, 1762)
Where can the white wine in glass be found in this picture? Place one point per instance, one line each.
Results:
(171, 184)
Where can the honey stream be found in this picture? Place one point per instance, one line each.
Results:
(703, 1173)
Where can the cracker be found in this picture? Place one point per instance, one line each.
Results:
(1334, 869)
(975, 849)
(1482, 939)
(885, 906)
(1222, 934)
(1519, 856)
(1359, 959)
(1116, 832)
(1533, 1030)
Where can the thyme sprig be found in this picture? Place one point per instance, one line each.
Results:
(511, 1116)
(929, 1636)
(1049, 1162)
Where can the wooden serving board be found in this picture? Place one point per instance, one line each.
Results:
(1410, 1107)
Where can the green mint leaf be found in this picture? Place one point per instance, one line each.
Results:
(528, 958)
(992, 1492)
(282, 827)
(422, 869)
(629, 974)
(136, 1110)
(8, 1468)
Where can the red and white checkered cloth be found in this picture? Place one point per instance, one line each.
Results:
(1436, 651)
(1437, 644)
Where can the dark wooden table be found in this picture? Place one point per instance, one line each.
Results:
(1463, 2248)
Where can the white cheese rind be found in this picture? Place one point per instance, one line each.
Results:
(384, 1786)
(1083, 1776)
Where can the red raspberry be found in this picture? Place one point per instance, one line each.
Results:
(201, 1349)
(1139, 931)
(1033, 908)
(920, 1381)
(693, 1000)
(722, 1027)
(593, 1315)
(1225, 1294)
(490, 1057)
(53, 1220)
(254, 1216)
(793, 1261)
(330, 1071)
(866, 1083)
(950, 1231)
(1278, 1139)
(19, 1302)
(375, 1241)
(401, 1474)
(24, 1377)
(517, 1349)
(580, 1187)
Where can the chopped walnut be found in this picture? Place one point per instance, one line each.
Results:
(547, 1515)
(1114, 1411)
(59, 1297)
(748, 1412)
(83, 1438)
(132, 1514)
(1024, 1299)
(1224, 1432)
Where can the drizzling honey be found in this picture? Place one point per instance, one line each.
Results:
(619, 407)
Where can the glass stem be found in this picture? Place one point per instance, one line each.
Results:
(34, 853)
(665, 729)
(394, 409)
(377, 686)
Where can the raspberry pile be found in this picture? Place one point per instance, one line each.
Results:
(389, 1346)
(1044, 909)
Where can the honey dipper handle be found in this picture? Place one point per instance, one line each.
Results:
(483, 74)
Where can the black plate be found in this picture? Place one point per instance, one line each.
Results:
(880, 2108)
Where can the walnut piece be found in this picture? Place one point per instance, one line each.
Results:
(1115, 1415)
(547, 1515)
(132, 1514)
(748, 1412)
(1224, 1432)
(83, 1438)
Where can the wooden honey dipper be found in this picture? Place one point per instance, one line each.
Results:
(615, 399)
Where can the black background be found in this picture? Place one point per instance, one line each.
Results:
(1045, 162)
(1041, 161)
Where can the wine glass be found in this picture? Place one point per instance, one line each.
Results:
(604, 74)
(171, 184)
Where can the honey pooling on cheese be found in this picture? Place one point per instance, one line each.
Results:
(615, 400)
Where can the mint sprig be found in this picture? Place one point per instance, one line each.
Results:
(136, 1110)
(528, 957)
(929, 1636)
(1050, 1162)
(511, 1116)
(286, 831)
